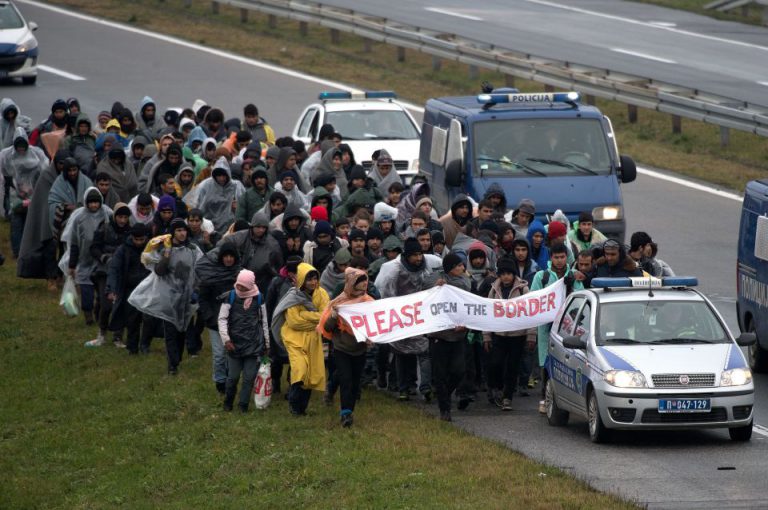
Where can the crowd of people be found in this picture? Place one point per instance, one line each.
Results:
(191, 223)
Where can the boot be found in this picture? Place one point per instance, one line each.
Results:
(88, 317)
(117, 340)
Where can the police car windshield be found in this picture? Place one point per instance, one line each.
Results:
(373, 125)
(541, 147)
(658, 322)
(9, 18)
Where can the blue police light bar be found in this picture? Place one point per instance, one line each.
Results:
(644, 282)
(369, 94)
(536, 97)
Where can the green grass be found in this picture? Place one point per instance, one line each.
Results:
(754, 12)
(696, 152)
(95, 428)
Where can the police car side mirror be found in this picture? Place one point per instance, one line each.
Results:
(573, 342)
(746, 339)
(628, 169)
(32, 26)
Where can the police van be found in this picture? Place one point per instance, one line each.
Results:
(752, 271)
(544, 146)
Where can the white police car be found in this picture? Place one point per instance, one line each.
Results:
(367, 121)
(18, 47)
(644, 353)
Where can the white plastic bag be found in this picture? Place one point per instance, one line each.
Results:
(70, 301)
(262, 387)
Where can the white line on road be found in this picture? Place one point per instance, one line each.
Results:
(451, 13)
(646, 24)
(689, 184)
(53, 70)
(667, 24)
(763, 83)
(643, 55)
(759, 429)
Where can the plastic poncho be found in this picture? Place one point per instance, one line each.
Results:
(383, 182)
(81, 227)
(216, 200)
(62, 192)
(8, 129)
(123, 177)
(23, 170)
(168, 297)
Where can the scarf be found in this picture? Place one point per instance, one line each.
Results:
(349, 296)
(246, 279)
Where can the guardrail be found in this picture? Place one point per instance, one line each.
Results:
(634, 90)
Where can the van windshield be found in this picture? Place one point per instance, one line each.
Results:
(541, 147)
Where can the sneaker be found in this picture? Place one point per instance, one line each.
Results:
(96, 342)
(403, 396)
(173, 371)
(506, 404)
(119, 343)
(347, 420)
(445, 416)
(542, 407)
(496, 398)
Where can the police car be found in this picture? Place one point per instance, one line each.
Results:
(647, 353)
(367, 121)
(18, 47)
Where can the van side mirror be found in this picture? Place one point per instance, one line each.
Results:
(746, 339)
(573, 342)
(32, 26)
(454, 156)
(628, 169)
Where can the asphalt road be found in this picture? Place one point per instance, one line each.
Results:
(697, 233)
(667, 45)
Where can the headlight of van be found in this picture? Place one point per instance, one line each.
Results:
(736, 377)
(625, 379)
(608, 213)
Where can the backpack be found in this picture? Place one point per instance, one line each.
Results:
(569, 280)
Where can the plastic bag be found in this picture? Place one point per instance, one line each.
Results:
(70, 301)
(262, 387)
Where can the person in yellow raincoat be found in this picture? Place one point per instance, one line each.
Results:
(296, 318)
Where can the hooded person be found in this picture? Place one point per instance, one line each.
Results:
(330, 164)
(536, 237)
(407, 205)
(121, 172)
(391, 248)
(148, 123)
(522, 217)
(321, 194)
(294, 322)
(349, 354)
(256, 196)
(217, 195)
(139, 152)
(55, 124)
(164, 215)
(11, 119)
(383, 171)
(333, 275)
(526, 267)
(288, 185)
(78, 237)
(143, 207)
(310, 165)
(169, 164)
(185, 178)
(196, 140)
(496, 196)
(82, 144)
(456, 219)
(478, 272)
(37, 253)
(319, 252)
(294, 224)
(286, 160)
(66, 194)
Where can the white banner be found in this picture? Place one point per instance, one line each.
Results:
(445, 307)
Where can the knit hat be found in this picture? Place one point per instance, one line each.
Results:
(322, 227)
(357, 173)
(293, 263)
(104, 116)
(59, 104)
(291, 174)
(526, 205)
(556, 229)
(166, 202)
(506, 265)
(437, 237)
(273, 152)
(375, 233)
(411, 246)
(178, 223)
(122, 209)
(586, 217)
(319, 213)
(342, 256)
(356, 233)
(139, 230)
(450, 261)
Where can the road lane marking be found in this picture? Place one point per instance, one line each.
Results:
(53, 70)
(759, 429)
(451, 13)
(647, 24)
(763, 83)
(668, 24)
(689, 184)
(643, 55)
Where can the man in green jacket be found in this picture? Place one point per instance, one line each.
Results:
(256, 197)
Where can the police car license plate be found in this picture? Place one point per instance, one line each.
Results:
(685, 405)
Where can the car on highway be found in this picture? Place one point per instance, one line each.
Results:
(18, 46)
(647, 353)
(367, 121)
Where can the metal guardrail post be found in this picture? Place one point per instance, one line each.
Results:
(243, 15)
(725, 136)
(400, 54)
(215, 7)
(367, 45)
(632, 113)
(474, 72)
(677, 124)
(335, 36)
(303, 28)
(272, 21)
(437, 64)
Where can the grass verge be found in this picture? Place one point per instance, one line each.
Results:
(94, 428)
(696, 152)
(754, 14)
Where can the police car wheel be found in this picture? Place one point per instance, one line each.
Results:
(597, 431)
(741, 433)
(555, 416)
(758, 357)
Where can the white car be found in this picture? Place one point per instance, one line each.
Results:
(18, 47)
(644, 353)
(367, 121)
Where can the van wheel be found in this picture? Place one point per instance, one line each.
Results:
(555, 416)
(758, 357)
(598, 433)
(741, 433)
(29, 80)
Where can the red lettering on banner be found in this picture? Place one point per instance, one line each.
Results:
(394, 320)
(498, 309)
(551, 301)
(368, 332)
(543, 304)
(533, 307)
(417, 312)
(357, 321)
(511, 310)
(379, 318)
(405, 310)
(521, 309)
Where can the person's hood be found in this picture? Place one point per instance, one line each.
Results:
(533, 227)
(461, 199)
(146, 101)
(208, 140)
(301, 273)
(20, 132)
(60, 156)
(113, 123)
(423, 200)
(89, 190)
(361, 197)
(260, 219)
(326, 162)
(384, 212)
(82, 117)
(197, 135)
(294, 211)
(392, 243)
(5, 104)
(495, 189)
(321, 192)
(282, 159)
(185, 165)
(477, 245)
(222, 164)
